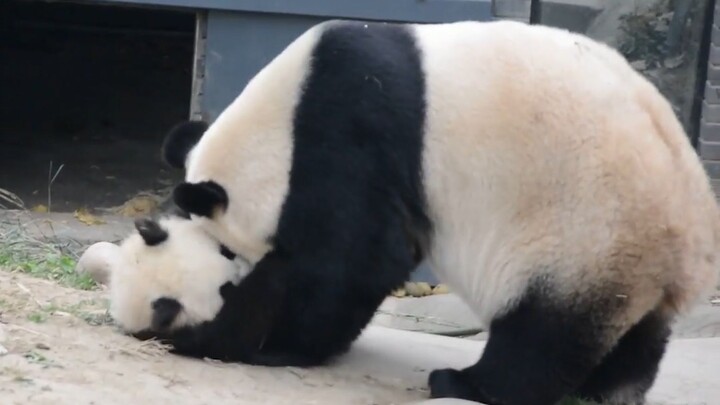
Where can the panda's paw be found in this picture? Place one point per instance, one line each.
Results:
(450, 383)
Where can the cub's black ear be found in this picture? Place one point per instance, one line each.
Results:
(151, 231)
(180, 140)
(200, 198)
(227, 253)
(165, 310)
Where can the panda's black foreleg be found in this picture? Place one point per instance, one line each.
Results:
(629, 370)
(536, 354)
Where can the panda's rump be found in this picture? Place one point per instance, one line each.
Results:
(549, 158)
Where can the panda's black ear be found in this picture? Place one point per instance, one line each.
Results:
(151, 231)
(201, 199)
(180, 140)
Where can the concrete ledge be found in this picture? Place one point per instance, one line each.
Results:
(64, 226)
(713, 74)
(709, 150)
(710, 112)
(712, 94)
(709, 131)
(445, 314)
(448, 314)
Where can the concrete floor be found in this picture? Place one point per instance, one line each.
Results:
(688, 376)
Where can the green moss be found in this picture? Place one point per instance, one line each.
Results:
(37, 317)
(50, 265)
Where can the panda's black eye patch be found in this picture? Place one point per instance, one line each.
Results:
(164, 312)
(227, 253)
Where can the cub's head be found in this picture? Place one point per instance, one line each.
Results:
(166, 275)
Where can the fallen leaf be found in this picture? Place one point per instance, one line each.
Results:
(139, 205)
(419, 289)
(441, 289)
(86, 217)
(39, 208)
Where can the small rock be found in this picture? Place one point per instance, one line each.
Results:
(399, 293)
(674, 62)
(3, 335)
(3, 350)
(639, 65)
(42, 346)
(419, 289)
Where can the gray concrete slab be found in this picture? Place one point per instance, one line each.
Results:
(64, 226)
(444, 314)
(448, 314)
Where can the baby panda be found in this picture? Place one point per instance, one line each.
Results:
(171, 281)
(547, 182)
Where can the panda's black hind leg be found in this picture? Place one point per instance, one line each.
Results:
(537, 354)
(626, 374)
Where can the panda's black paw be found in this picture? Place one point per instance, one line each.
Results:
(450, 383)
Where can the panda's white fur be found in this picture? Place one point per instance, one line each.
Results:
(260, 157)
(187, 267)
(551, 171)
(538, 92)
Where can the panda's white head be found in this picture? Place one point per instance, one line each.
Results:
(164, 276)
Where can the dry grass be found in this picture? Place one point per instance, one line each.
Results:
(28, 306)
(8, 197)
(46, 256)
(142, 204)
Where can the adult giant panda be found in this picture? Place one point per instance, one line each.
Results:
(548, 183)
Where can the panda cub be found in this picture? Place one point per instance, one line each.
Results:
(171, 281)
(547, 182)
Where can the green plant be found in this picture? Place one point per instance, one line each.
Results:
(37, 317)
(50, 265)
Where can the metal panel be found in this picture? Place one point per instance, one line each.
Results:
(386, 10)
(198, 72)
(238, 45)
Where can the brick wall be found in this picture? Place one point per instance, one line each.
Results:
(709, 143)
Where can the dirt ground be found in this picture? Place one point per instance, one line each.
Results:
(62, 349)
(58, 346)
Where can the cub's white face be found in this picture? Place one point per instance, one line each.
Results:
(172, 260)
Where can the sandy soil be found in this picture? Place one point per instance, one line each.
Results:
(62, 349)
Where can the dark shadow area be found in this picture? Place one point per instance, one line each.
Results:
(93, 88)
